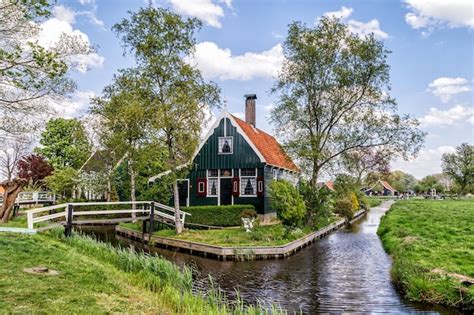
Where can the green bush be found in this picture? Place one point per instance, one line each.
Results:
(217, 215)
(287, 202)
(344, 208)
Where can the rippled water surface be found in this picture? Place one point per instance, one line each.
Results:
(347, 271)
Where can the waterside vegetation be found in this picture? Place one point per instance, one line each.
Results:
(432, 245)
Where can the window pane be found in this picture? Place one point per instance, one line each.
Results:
(225, 144)
(212, 173)
(247, 172)
(247, 186)
(212, 187)
(226, 172)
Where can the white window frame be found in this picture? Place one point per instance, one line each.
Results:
(203, 190)
(275, 174)
(242, 178)
(231, 145)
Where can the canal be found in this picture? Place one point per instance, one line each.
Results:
(347, 271)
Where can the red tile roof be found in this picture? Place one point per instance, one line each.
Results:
(386, 185)
(2, 190)
(330, 185)
(268, 146)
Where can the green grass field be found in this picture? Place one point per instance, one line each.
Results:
(432, 245)
(96, 278)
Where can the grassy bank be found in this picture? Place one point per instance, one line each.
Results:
(432, 244)
(97, 278)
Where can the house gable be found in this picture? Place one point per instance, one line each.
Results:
(243, 155)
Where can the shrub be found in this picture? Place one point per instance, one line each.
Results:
(344, 208)
(217, 215)
(354, 201)
(287, 202)
(319, 203)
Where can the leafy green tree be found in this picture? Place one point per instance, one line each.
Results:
(287, 202)
(427, 183)
(176, 92)
(459, 166)
(361, 162)
(63, 181)
(334, 97)
(29, 72)
(401, 181)
(64, 143)
(125, 117)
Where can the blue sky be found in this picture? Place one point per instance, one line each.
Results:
(239, 48)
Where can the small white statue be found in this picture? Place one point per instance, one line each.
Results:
(248, 224)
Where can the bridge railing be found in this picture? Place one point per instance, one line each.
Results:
(67, 211)
(33, 197)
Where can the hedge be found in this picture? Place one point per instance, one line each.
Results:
(216, 215)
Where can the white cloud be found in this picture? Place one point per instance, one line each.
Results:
(52, 31)
(205, 10)
(269, 107)
(343, 13)
(358, 27)
(446, 88)
(456, 114)
(215, 62)
(426, 163)
(64, 14)
(437, 13)
(84, 2)
(76, 106)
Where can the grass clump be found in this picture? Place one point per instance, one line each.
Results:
(432, 244)
(216, 215)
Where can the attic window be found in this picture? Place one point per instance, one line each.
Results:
(225, 145)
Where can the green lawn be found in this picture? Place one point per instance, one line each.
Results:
(270, 235)
(374, 201)
(428, 239)
(95, 278)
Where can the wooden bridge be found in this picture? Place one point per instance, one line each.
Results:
(33, 198)
(69, 214)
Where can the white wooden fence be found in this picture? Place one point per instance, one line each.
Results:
(68, 211)
(33, 198)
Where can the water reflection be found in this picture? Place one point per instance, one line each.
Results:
(347, 271)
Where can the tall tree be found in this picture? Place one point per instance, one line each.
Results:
(360, 163)
(29, 72)
(64, 143)
(10, 153)
(125, 116)
(160, 41)
(459, 166)
(334, 97)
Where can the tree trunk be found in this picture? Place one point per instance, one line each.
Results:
(109, 190)
(12, 189)
(177, 217)
(133, 197)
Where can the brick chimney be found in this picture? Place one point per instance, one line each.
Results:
(250, 115)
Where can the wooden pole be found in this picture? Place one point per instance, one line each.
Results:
(68, 228)
(152, 217)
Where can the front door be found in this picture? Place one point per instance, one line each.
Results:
(183, 193)
(226, 191)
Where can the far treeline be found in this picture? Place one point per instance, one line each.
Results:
(333, 107)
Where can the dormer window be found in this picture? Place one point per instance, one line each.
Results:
(225, 145)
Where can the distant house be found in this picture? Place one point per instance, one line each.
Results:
(388, 190)
(235, 164)
(327, 185)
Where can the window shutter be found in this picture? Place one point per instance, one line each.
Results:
(201, 187)
(235, 186)
(260, 186)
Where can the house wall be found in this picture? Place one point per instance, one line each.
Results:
(243, 156)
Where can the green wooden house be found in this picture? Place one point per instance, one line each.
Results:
(235, 163)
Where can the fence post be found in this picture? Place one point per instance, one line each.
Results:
(29, 215)
(68, 228)
(152, 217)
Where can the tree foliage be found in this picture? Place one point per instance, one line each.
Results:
(64, 143)
(334, 97)
(459, 166)
(287, 202)
(176, 94)
(31, 73)
(34, 168)
(427, 183)
(63, 181)
(361, 162)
